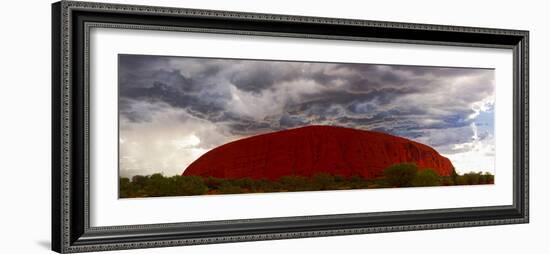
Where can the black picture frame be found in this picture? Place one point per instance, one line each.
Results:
(71, 231)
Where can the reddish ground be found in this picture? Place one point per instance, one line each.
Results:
(309, 150)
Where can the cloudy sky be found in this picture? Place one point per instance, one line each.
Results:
(174, 109)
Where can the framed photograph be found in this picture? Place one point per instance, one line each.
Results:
(182, 126)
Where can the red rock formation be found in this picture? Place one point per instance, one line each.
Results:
(309, 150)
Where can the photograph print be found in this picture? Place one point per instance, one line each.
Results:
(209, 126)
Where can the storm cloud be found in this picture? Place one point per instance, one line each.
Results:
(450, 109)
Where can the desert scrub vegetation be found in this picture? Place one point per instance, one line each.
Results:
(398, 175)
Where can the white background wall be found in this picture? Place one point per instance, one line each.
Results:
(25, 125)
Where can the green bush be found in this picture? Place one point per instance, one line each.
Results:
(227, 187)
(447, 180)
(190, 185)
(489, 178)
(294, 183)
(264, 185)
(125, 187)
(244, 183)
(400, 175)
(157, 185)
(357, 182)
(212, 182)
(473, 178)
(323, 181)
(426, 177)
(140, 181)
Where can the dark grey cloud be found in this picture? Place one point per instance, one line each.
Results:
(250, 96)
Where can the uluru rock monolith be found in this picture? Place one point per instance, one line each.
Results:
(309, 150)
